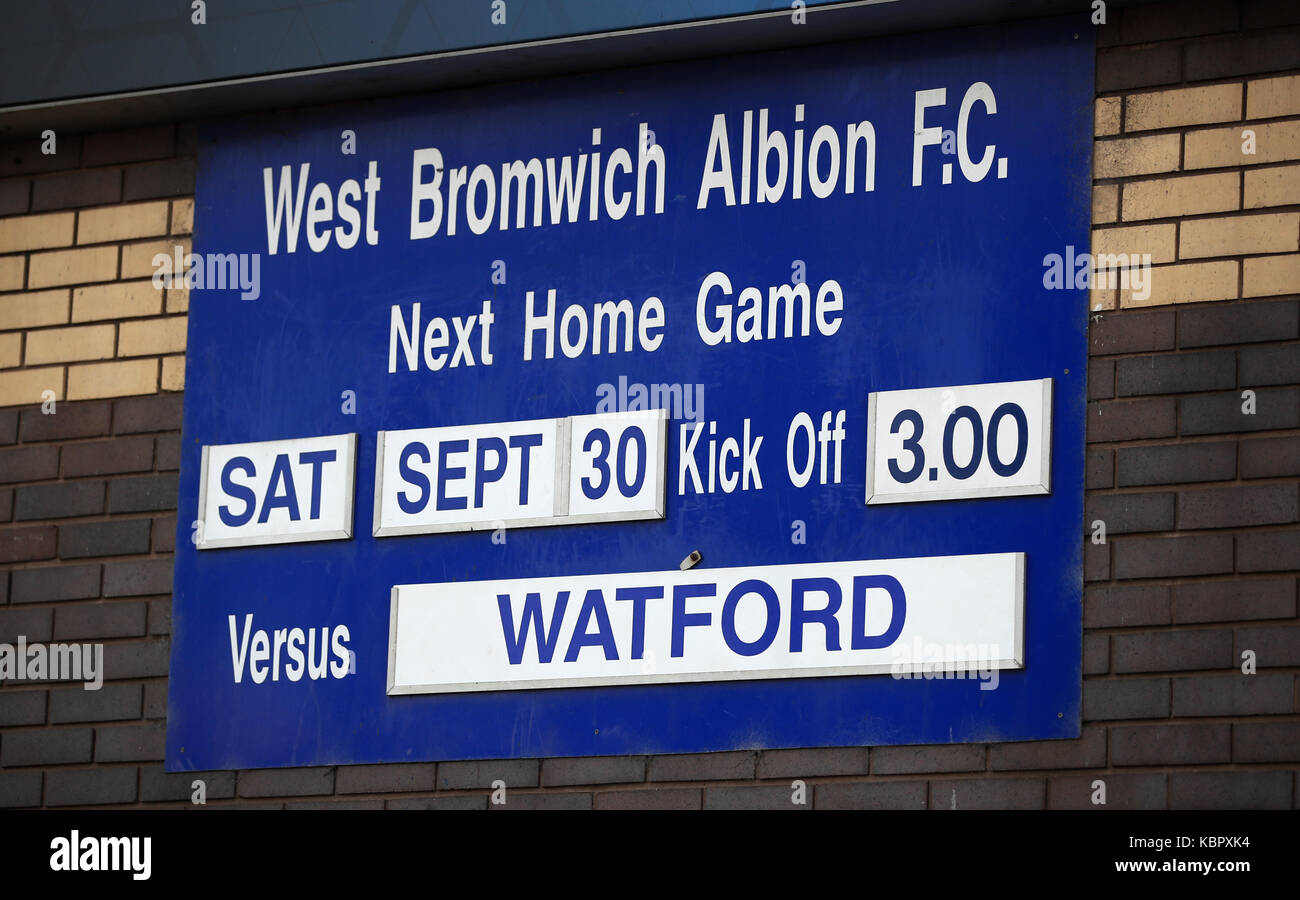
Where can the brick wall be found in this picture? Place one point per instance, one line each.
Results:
(1200, 500)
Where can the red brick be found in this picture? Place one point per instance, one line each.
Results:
(286, 782)
(735, 766)
(990, 793)
(1269, 551)
(1265, 742)
(471, 774)
(75, 189)
(1131, 513)
(1172, 651)
(870, 795)
(1120, 68)
(384, 779)
(1166, 745)
(59, 500)
(1085, 752)
(1096, 654)
(1228, 601)
(19, 789)
(1238, 323)
(1235, 507)
(1176, 463)
(774, 797)
(111, 538)
(1125, 698)
(1101, 469)
(70, 420)
(1176, 373)
(107, 457)
(25, 157)
(28, 464)
(169, 178)
(1123, 791)
(130, 743)
(1130, 420)
(1233, 695)
(92, 621)
(1275, 408)
(1187, 18)
(937, 758)
(51, 746)
(24, 543)
(650, 798)
(1169, 557)
(1124, 606)
(1230, 790)
(453, 802)
(90, 787)
(159, 786)
(593, 770)
(111, 702)
(1132, 332)
(135, 415)
(814, 762)
(547, 800)
(1270, 457)
(1273, 645)
(1243, 54)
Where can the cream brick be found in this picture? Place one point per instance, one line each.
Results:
(1270, 97)
(1189, 195)
(12, 270)
(56, 345)
(1158, 240)
(1234, 235)
(72, 267)
(1106, 112)
(121, 300)
(33, 309)
(1184, 283)
(154, 336)
(183, 216)
(22, 386)
(1135, 156)
(11, 350)
(173, 373)
(1216, 147)
(1267, 276)
(1101, 298)
(1273, 187)
(1105, 203)
(1187, 106)
(113, 379)
(137, 259)
(123, 222)
(36, 232)
(178, 299)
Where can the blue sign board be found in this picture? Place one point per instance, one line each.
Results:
(725, 404)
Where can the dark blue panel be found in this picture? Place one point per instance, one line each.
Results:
(943, 286)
